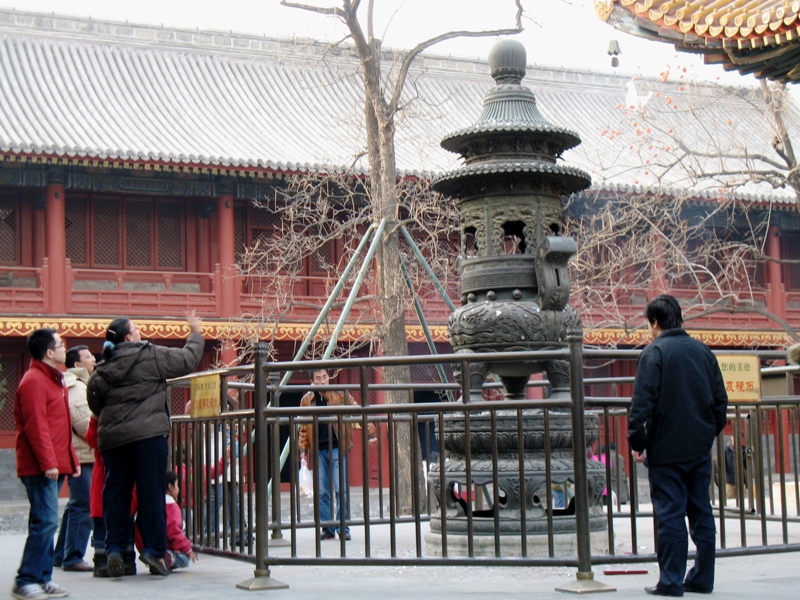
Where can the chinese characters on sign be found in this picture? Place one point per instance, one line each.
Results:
(742, 375)
(205, 396)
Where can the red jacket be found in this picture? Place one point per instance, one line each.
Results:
(44, 428)
(176, 538)
(98, 473)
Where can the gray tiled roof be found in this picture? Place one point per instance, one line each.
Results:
(79, 88)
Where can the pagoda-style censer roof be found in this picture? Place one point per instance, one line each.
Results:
(510, 137)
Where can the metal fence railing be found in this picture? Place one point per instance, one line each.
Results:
(582, 501)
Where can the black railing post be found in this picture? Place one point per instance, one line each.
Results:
(276, 537)
(584, 582)
(261, 579)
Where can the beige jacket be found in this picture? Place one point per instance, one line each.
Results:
(77, 379)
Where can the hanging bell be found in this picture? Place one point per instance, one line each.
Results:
(613, 51)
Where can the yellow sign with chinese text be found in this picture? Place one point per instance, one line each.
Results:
(742, 375)
(205, 396)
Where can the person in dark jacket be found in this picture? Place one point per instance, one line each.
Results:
(128, 394)
(730, 468)
(678, 408)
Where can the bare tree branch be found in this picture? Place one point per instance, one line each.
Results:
(334, 11)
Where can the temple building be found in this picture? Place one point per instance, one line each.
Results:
(131, 157)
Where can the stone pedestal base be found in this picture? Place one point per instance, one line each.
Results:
(564, 544)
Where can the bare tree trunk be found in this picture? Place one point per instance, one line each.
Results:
(775, 97)
(381, 102)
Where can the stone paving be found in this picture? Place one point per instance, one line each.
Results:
(774, 576)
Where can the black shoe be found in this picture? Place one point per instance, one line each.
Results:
(114, 564)
(100, 566)
(346, 537)
(129, 562)
(690, 587)
(657, 591)
(158, 566)
(327, 535)
(81, 567)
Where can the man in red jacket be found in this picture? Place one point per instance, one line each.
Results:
(44, 457)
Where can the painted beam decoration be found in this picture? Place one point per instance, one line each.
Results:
(178, 330)
(742, 375)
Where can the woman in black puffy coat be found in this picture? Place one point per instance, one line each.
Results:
(127, 392)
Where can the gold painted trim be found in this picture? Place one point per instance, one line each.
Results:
(218, 330)
(717, 338)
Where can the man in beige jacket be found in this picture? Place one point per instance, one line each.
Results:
(331, 445)
(76, 524)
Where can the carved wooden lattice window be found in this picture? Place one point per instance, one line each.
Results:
(322, 259)
(9, 380)
(262, 224)
(170, 235)
(106, 232)
(9, 237)
(76, 230)
(137, 224)
(262, 218)
(790, 250)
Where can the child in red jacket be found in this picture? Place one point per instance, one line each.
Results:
(179, 548)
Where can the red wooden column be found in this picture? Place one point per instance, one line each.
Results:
(227, 268)
(56, 244)
(776, 296)
(227, 253)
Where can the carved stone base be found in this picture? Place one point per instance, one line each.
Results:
(564, 544)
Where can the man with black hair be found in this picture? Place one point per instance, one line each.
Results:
(76, 524)
(678, 408)
(331, 444)
(45, 456)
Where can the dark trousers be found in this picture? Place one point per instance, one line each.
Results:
(145, 464)
(76, 524)
(679, 491)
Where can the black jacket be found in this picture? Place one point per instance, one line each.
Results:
(679, 401)
(128, 391)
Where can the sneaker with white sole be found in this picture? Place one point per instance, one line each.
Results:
(53, 590)
(30, 591)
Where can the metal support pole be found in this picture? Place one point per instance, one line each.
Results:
(276, 538)
(261, 579)
(323, 313)
(584, 582)
(340, 324)
(351, 299)
(425, 329)
(423, 261)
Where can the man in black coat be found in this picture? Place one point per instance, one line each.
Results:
(678, 408)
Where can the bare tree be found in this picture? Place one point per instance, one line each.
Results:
(688, 224)
(385, 76)
(384, 79)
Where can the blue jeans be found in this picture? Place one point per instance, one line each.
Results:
(679, 491)
(76, 524)
(328, 473)
(179, 559)
(37, 557)
(216, 506)
(144, 463)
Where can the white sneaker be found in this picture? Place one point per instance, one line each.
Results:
(53, 590)
(31, 591)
